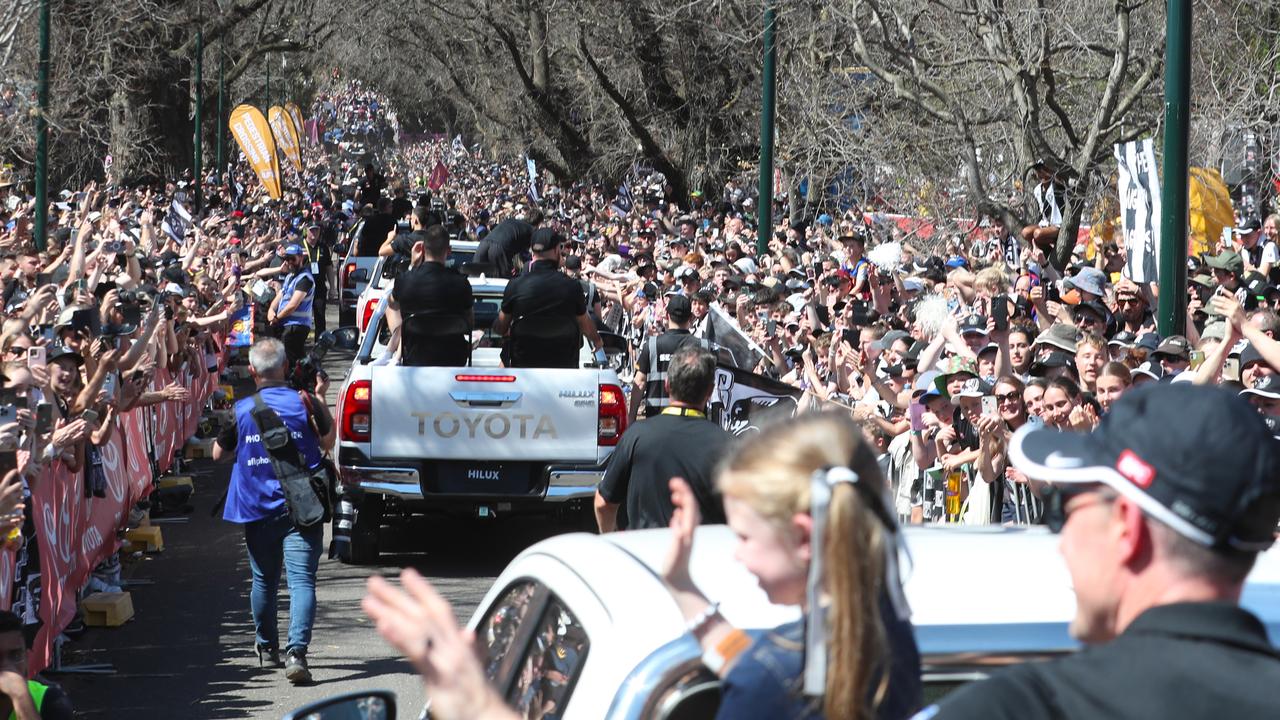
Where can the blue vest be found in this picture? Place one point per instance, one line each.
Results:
(254, 492)
(302, 315)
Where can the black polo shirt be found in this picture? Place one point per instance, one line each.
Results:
(1185, 660)
(544, 291)
(656, 450)
(432, 287)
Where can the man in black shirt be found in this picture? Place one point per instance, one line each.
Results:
(1161, 522)
(320, 259)
(430, 287)
(655, 356)
(375, 230)
(680, 442)
(371, 186)
(508, 240)
(544, 292)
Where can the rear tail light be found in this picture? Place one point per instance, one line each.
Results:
(612, 419)
(357, 411)
(369, 307)
(346, 273)
(485, 378)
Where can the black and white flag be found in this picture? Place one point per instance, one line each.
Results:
(1139, 187)
(744, 402)
(177, 221)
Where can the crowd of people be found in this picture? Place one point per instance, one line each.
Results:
(935, 384)
(926, 368)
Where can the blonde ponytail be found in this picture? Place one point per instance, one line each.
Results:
(772, 474)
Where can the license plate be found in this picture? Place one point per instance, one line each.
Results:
(484, 478)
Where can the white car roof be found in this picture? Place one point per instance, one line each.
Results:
(1010, 582)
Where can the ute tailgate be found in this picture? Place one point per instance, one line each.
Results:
(524, 414)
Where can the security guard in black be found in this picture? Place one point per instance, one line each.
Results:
(430, 287)
(1143, 673)
(541, 292)
(655, 355)
(680, 442)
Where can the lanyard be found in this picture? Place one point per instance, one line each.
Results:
(684, 412)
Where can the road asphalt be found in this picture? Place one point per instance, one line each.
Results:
(188, 652)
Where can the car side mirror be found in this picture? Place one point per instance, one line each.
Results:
(363, 705)
(346, 338)
(359, 275)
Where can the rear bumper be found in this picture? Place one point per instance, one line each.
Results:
(560, 483)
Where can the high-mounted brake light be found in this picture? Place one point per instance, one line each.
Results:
(485, 378)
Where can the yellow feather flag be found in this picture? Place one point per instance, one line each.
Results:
(1209, 203)
(286, 135)
(296, 114)
(253, 135)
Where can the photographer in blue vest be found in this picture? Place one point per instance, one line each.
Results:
(256, 499)
(290, 313)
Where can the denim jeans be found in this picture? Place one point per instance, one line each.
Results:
(272, 543)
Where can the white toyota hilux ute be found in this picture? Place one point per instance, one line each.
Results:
(475, 441)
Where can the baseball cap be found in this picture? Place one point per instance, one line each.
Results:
(1228, 260)
(679, 309)
(1148, 341)
(1059, 335)
(925, 385)
(293, 249)
(545, 239)
(1051, 360)
(1247, 225)
(890, 338)
(1250, 355)
(685, 271)
(1174, 346)
(975, 388)
(1190, 475)
(974, 324)
(1124, 338)
(1268, 386)
(59, 352)
(1150, 368)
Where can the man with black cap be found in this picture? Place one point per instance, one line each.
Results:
(1161, 523)
(430, 287)
(545, 292)
(1258, 253)
(654, 358)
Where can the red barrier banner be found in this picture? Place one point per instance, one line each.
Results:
(137, 464)
(58, 499)
(75, 533)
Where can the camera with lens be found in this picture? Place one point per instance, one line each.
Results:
(309, 367)
(113, 247)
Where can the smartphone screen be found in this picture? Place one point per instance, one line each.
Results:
(89, 416)
(916, 414)
(1000, 312)
(8, 461)
(44, 418)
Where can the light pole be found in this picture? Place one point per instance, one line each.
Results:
(42, 133)
(198, 159)
(764, 224)
(1171, 312)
